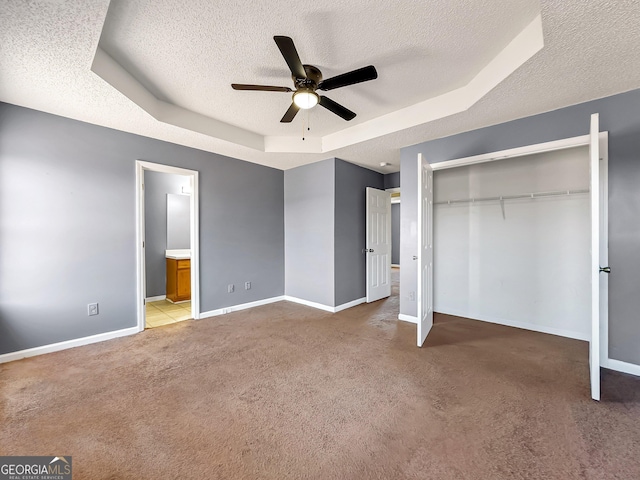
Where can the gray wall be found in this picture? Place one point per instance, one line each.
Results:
(395, 233)
(392, 180)
(325, 233)
(351, 182)
(309, 193)
(157, 186)
(409, 229)
(620, 116)
(67, 227)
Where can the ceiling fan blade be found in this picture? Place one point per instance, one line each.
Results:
(356, 76)
(337, 108)
(264, 88)
(291, 113)
(290, 54)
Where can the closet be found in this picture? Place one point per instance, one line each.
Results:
(512, 242)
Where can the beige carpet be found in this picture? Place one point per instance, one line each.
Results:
(287, 392)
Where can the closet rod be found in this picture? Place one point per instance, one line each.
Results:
(558, 193)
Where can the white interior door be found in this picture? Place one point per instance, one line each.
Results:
(378, 247)
(594, 344)
(425, 249)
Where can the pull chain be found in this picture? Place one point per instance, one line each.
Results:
(308, 125)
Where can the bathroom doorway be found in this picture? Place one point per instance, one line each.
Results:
(167, 245)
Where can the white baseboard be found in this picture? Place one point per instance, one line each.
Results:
(156, 299)
(353, 303)
(396, 265)
(308, 303)
(408, 318)
(242, 306)
(78, 342)
(620, 366)
(326, 308)
(524, 325)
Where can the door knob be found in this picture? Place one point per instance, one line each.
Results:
(415, 257)
(371, 250)
(605, 269)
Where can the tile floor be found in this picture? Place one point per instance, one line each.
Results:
(164, 312)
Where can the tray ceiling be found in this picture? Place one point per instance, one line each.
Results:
(187, 58)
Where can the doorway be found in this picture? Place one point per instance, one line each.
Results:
(395, 244)
(167, 244)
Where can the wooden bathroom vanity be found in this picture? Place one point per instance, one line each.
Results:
(178, 278)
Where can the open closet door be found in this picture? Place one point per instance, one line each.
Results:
(378, 247)
(594, 344)
(425, 249)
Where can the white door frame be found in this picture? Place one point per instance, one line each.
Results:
(581, 141)
(595, 354)
(141, 167)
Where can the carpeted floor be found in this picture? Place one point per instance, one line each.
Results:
(288, 392)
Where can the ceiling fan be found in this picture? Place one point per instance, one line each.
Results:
(307, 79)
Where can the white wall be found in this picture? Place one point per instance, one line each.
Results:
(530, 269)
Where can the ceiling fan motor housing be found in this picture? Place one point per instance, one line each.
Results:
(314, 77)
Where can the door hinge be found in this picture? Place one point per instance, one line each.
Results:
(143, 244)
(605, 269)
(144, 301)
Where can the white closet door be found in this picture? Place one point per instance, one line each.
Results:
(425, 249)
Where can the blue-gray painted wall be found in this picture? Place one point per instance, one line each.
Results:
(392, 180)
(620, 116)
(351, 182)
(395, 233)
(326, 231)
(67, 227)
(309, 221)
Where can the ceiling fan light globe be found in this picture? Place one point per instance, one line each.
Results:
(306, 99)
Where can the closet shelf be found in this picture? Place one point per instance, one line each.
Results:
(559, 193)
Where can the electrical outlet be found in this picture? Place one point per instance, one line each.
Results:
(412, 296)
(247, 285)
(92, 309)
(230, 288)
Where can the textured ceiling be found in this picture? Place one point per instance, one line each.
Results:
(189, 56)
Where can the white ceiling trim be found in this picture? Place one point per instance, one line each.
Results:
(112, 72)
(524, 46)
